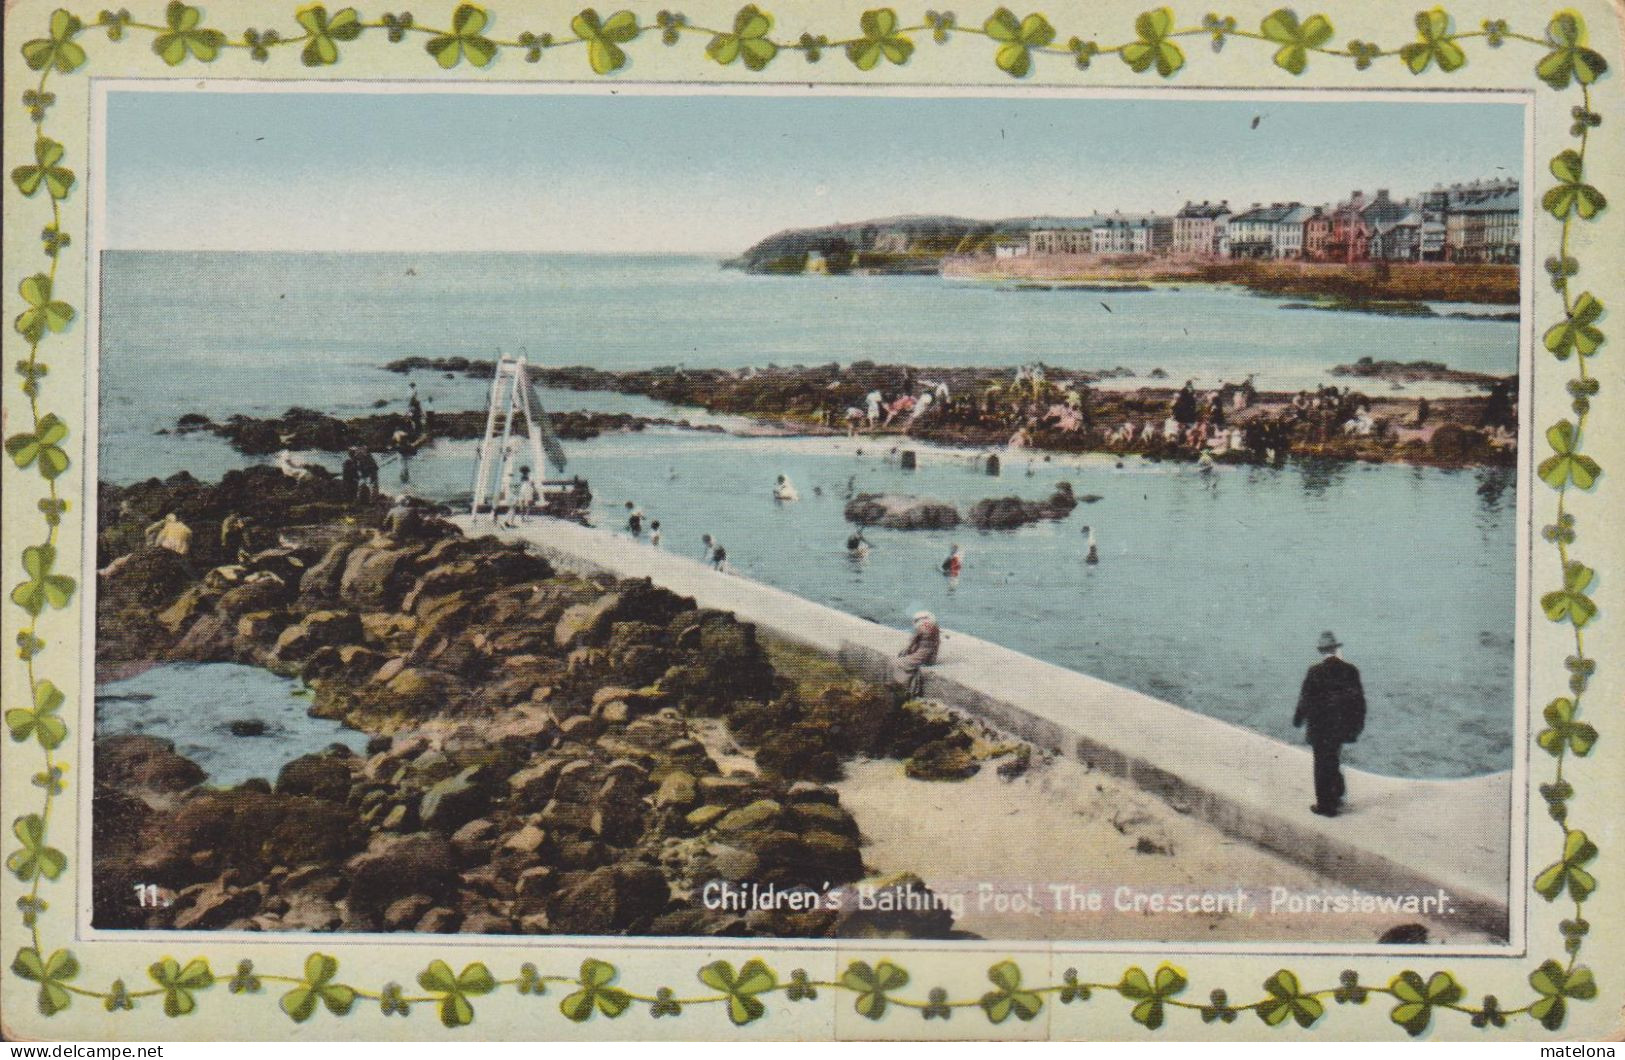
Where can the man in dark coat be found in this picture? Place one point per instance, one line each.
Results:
(1332, 707)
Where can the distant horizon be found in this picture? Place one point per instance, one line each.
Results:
(638, 174)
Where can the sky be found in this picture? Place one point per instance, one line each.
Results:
(629, 173)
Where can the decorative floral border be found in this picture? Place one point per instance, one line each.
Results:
(1018, 43)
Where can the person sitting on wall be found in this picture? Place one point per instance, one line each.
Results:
(921, 651)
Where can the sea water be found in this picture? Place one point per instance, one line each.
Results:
(193, 705)
(1212, 588)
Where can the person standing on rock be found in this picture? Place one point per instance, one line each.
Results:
(1093, 556)
(921, 651)
(414, 411)
(234, 536)
(1331, 706)
(954, 563)
(366, 473)
(169, 532)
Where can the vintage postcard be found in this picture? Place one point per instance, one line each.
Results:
(812, 521)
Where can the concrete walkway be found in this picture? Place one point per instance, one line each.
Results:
(1398, 837)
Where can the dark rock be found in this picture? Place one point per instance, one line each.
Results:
(404, 913)
(898, 512)
(128, 760)
(1404, 935)
(147, 579)
(617, 899)
(212, 905)
(248, 727)
(321, 776)
(941, 760)
(251, 831)
(440, 921)
(395, 866)
(904, 908)
(455, 801)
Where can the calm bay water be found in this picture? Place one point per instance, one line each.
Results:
(1212, 586)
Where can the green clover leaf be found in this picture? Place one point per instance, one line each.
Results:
(464, 39)
(184, 36)
(325, 33)
(605, 37)
(1569, 873)
(1569, 60)
(56, 179)
(58, 51)
(747, 41)
(41, 446)
(42, 587)
(1553, 984)
(455, 990)
(1150, 994)
(880, 38)
(1017, 39)
(300, 1002)
(936, 1005)
(1009, 997)
(1433, 44)
(1417, 999)
(753, 978)
(180, 983)
(1573, 195)
(1561, 731)
(1295, 38)
(1571, 602)
(43, 313)
(50, 973)
(41, 721)
(1578, 331)
(872, 985)
(1154, 48)
(596, 993)
(1071, 989)
(1567, 465)
(1288, 999)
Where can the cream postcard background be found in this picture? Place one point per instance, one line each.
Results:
(964, 63)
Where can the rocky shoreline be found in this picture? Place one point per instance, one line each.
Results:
(544, 754)
(1449, 432)
(306, 429)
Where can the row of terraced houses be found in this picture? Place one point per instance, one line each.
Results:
(1468, 223)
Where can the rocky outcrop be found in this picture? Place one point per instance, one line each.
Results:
(301, 429)
(541, 763)
(898, 512)
(1008, 513)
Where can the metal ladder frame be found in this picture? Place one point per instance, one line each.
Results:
(510, 396)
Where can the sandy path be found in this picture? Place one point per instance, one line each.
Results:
(999, 844)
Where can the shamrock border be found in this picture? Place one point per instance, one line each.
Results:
(1018, 42)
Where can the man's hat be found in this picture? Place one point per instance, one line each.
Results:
(1329, 641)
